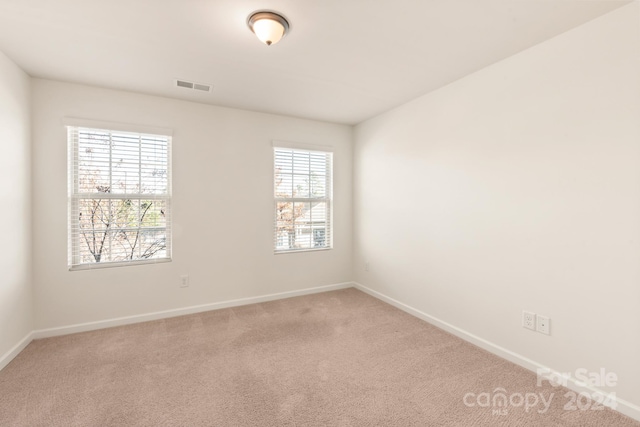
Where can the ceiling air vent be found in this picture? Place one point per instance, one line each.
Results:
(193, 86)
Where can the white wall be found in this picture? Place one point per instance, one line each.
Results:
(517, 187)
(16, 312)
(222, 208)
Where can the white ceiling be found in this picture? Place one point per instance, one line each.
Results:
(343, 61)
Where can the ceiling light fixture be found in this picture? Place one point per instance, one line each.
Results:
(268, 26)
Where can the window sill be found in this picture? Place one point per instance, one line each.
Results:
(295, 251)
(99, 265)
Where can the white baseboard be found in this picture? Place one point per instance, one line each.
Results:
(9, 355)
(624, 407)
(120, 321)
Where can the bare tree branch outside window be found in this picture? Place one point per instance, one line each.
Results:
(120, 200)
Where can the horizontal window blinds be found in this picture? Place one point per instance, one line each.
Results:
(119, 197)
(303, 199)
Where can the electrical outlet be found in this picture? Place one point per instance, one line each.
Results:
(529, 320)
(543, 324)
(184, 281)
(366, 266)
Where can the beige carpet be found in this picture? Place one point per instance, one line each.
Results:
(340, 358)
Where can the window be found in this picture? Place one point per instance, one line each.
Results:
(119, 197)
(303, 193)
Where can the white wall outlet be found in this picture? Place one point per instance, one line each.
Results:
(543, 324)
(184, 281)
(366, 266)
(529, 320)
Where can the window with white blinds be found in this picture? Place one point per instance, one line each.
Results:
(303, 200)
(119, 197)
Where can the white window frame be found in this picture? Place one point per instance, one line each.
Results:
(74, 195)
(328, 199)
